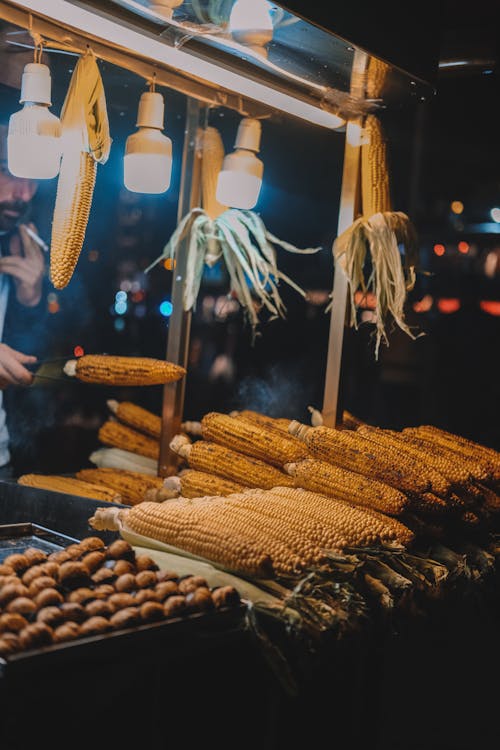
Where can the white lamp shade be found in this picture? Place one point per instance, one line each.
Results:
(34, 144)
(148, 162)
(251, 23)
(240, 180)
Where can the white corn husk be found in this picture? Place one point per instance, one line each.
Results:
(116, 458)
(241, 239)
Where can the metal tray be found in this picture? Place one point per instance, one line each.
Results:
(137, 641)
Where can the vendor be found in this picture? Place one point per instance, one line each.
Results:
(22, 267)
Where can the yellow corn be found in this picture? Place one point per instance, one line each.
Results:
(201, 484)
(262, 419)
(75, 188)
(343, 484)
(252, 439)
(136, 417)
(182, 525)
(108, 370)
(350, 422)
(487, 457)
(119, 435)
(130, 485)
(463, 470)
(217, 459)
(375, 187)
(69, 486)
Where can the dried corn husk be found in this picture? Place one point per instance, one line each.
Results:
(86, 142)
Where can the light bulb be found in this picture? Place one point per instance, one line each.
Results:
(250, 23)
(34, 143)
(240, 179)
(148, 152)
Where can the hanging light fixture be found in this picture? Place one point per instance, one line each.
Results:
(148, 152)
(250, 23)
(34, 144)
(240, 179)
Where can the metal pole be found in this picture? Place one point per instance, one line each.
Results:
(180, 321)
(331, 412)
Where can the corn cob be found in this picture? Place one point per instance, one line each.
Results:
(262, 419)
(182, 525)
(352, 451)
(350, 422)
(374, 172)
(70, 486)
(109, 370)
(86, 139)
(254, 440)
(487, 457)
(200, 484)
(397, 448)
(120, 436)
(352, 526)
(129, 484)
(75, 188)
(216, 459)
(115, 458)
(136, 417)
(465, 469)
(343, 484)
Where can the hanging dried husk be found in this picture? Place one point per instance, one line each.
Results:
(86, 142)
(379, 252)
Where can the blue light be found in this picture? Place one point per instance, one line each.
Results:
(121, 296)
(119, 325)
(120, 308)
(166, 308)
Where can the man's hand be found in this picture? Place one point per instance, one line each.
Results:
(26, 265)
(12, 371)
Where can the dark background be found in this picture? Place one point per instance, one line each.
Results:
(443, 149)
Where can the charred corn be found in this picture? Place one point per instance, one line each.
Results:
(327, 479)
(262, 419)
(118, 435)
(217, 459)
(108, 370)
(130, 485)
(70, 486)
(136, 417)
(201, 484)
(252, 439)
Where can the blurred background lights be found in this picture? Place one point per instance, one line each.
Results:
(121, 297)
(495, 215)
(457, 207)
(166, 308)
(439, 250)
(463, 247)
(121, 307)
(78, 351)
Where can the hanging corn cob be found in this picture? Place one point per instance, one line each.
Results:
(86, 142)
(70, 486)
(108, 370)
(136, 417)
(380, 232)
(130, 485)
(238, 237)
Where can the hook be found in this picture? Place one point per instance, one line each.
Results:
(152, 83)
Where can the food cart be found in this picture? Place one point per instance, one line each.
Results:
(289, 72)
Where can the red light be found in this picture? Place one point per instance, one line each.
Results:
(490, 306)
(423, 305)
(439, 250)
(78, 351)
(463, 247)
(365, 300)
(448, 305)
(53, 307)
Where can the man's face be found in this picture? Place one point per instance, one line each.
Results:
(16, 194)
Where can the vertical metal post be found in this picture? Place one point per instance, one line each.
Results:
(347, 214)
(180, 321)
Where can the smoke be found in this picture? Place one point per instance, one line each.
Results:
(281, 392)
